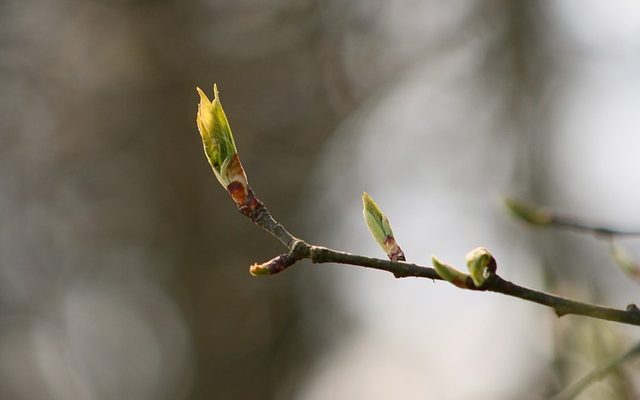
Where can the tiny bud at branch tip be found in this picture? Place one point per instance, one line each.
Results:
(258, 270)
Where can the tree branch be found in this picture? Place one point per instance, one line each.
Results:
(300, 250)
(535, 214)
(575, 224)
(262, 217)
(220, 151)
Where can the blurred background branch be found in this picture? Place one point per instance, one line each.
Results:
(541, 216)
(598, 373)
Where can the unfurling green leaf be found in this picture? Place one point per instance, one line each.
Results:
(530, 213)
(481, 265)
(219, 146)
(220, 149)
(449, 273)
(380, 228)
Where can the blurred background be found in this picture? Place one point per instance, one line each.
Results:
(124, 265)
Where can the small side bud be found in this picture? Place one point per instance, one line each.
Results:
(449, 273)
(273, 266)
(633, 308)
(481, 265)
(259, 269)
(380, 228)
(528, 212)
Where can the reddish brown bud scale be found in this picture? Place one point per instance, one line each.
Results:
(396, 253)
(461, 283)
(238, 193)
(235, 171)
(250, 206)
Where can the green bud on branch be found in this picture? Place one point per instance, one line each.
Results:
(528, 212)
(481, 265)
(450, 274)
(219, 146)
(273, 266)
(221, 152)
(380, 229)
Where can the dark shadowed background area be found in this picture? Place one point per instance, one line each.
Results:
(124, 265)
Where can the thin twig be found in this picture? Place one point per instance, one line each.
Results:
(535, 214)
(264, 220)
(597, 374)
(299, 250)
(561, 306)
(608, 234)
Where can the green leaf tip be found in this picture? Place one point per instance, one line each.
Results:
(377, 222)
(380, 229)
(216, 93)
(449, 273)
(528, 212)
(481, 265)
